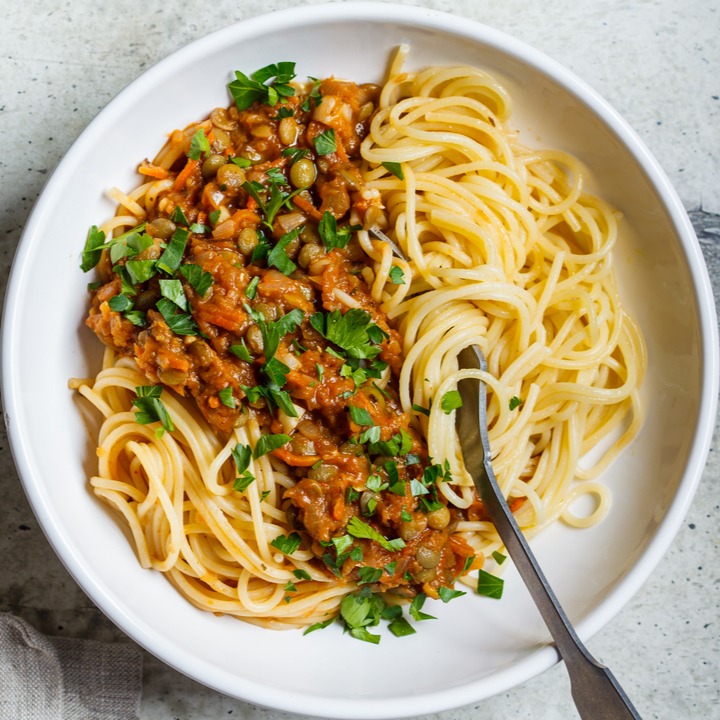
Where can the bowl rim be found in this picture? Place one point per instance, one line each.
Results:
(543, 658)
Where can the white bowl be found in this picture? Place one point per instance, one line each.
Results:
(478, 647)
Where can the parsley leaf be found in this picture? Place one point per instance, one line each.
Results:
(213, 217)
(284, 112)
(416, 606)
(331, 236)
(405, 516)
(325, 142)
(93, 249)
(173, 290)
(319, 626)
(140, 271)
(357, 528)
(200, 279)
(397, 275)
(226, 397)
(251, 289)
(314, 93)
(349, 331)
(390, 568)
(515, 402)
(268, 443)
(170, 259)
(295, 153)
(178, 216)
(401, 627)
(420, 409)
(120, 303)
(287, 323)
(489, 585)
(150, 408)
(244, 481)
(179, 323)
(451, 400)
(241, 351)
(499, 558)
(136, 317)
(241, 454)
(395, 169)
(199, 229)
(278, 258)
(369, 575)
(198, 145)
(446, 594)
(391, 612)
(301, 575)
(241, 162)
(360, 416)
(287, 544)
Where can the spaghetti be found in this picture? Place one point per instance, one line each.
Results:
(303, 444)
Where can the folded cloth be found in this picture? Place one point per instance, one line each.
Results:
(53, 678)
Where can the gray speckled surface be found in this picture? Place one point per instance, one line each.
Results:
(656, 61)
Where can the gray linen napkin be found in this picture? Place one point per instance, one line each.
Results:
(52, 678)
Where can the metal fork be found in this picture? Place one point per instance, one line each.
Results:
(596, 692)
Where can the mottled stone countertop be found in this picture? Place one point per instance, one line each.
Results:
(656, 61)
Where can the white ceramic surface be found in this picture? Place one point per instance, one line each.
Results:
(477, 647)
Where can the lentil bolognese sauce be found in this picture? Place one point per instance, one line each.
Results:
(259, 435)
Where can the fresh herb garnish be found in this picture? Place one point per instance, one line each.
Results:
(420, 409)
(331, 236)
(515, 402)
(301, 575)
(499, 558)
(397, 275)
(451, 400)
(314, 94)
(395, 169)
(241, 162)
(140, 271)
(178, 216)
(287, 544)
(246, 90)
(360, 416)
(277, 257)
(325, 142)
(214, 216)
(446, 594)
(93, 249)
(268, 443)
(320, 625)
(369, 575)
(295, 153)
(348, 331)
(226, 397)
(241, 351)
(200, 279)
(489, 585)
(416, 607)
(180, 323)
(357, 528)
(120, 303)
(198, 145)
(170, 259)
(251, 289)
(151, 409)
(401, 627)
(173, 290)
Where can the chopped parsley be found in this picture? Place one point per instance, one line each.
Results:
(301, 575)
(173, 290)
(405, 516)
(397, 275)
(213, 217)
(325, 142)
(180, 323)
(320, 625)
(499, 558)
(246, 90)
(416, 607)
(290, 587)
(515, 402)
(314, 94)
(369, 575)
(451, 400)
(348, 331)
(151, 409)
(489, 585)
(170, 259)
(251, 289)
(198, 145)
(268, 443)
(139, 271)
(278, 257)
(199, 279)
(178, 216)
(120, 303)
(421, 409)
(446, 594)
(241, 351)
(226, 397)
(287, 544)
(331, 236)
(357, 528)
(295, 153)
(241, 162)
(401, 627)
(360, 416)
(93, 249)
(395, 169)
